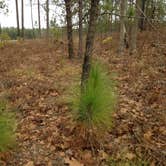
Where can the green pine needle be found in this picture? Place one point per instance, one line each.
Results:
(7, 128)
(94, 106)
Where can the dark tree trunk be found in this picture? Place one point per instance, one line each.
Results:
(80, 49)
(142, 19)
(47, 17)
(17, 18)
(123, 4)
(111, 21)
(39, 18)
(69, 28)
(94, 11)
(22, 17)
(153, 9)
(134, 29)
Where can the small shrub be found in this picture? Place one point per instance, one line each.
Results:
(3, 104)
(107, 40)
(94, 105)
(4, 37)
(7, 128)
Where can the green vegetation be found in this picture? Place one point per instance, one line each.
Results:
(7, 127)
(12, 33)
(4, 37)
(94, 106)
(137, 162)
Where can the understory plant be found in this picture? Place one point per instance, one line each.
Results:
(94, 104)
(136, 162)
(7, 128)
(4, 38)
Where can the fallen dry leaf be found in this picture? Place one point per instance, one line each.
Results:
(30, 163)
(148, 135)
(130, 156)
(73, 162)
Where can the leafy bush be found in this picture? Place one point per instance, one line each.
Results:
(107, 40)
(56, 33)
(7, 128)
(94, 105)
(4, 37)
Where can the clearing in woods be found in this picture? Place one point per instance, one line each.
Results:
(35, 77)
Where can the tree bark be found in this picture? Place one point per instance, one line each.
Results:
(123, 4)
(17, 18)
(47, 17)
(32, 18)
(142, 19)
(80, 49)
(111, 21)
(22, 17)
(94, 12)
(0, 29)
(39, 18)
(69, 28)
(134, 29)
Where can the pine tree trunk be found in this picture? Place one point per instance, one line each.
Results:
(17, 18)
(32, 18)
(47, 17)
(94, 11)
(0, 29)
(22, 9)
(69, 28)
(142, 19)
(80, 49)
(111, 21)
(39, 18)
(134, 29)
(123, 4)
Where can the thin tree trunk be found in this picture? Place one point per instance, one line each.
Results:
(80, 49)
(111, 21)
(22, 17)
(116, 17)
(142, 19)
(69, 28)
(17, 18)
(122, 26)
(94, 11)
(39, 18)
(47, 16)
(32, 18)
(134, 29)
(146, 24)
(0, 29)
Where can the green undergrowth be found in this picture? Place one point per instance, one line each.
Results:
(137, 162)
(94, 106)
(7, 127)
(4, 38)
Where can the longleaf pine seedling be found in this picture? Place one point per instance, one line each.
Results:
(7, 128)
(94, 105)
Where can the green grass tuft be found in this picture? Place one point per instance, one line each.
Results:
(94, 105)
(136, 162)
(7, 128)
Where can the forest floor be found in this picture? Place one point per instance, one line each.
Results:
(35, 77)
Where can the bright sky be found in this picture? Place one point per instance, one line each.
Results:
(9, 20)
